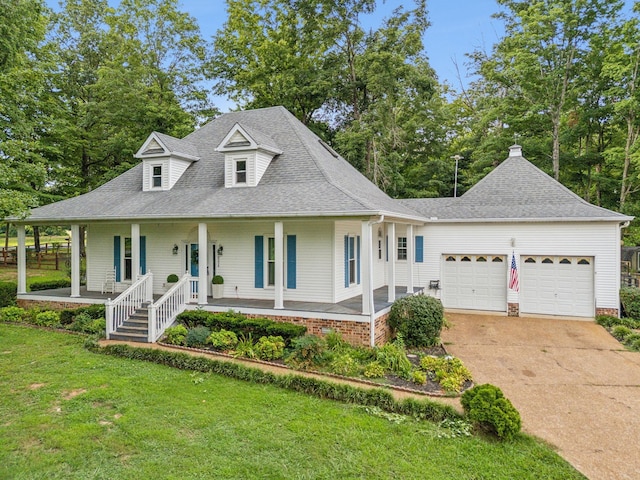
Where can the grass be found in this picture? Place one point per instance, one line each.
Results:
(10, 274)
(29, 241)
(68, 413)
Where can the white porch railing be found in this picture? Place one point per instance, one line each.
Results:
(163, 312)
(119, 310)
(193, 289)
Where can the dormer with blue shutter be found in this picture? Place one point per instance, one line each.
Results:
(247, 155)
(164, 160)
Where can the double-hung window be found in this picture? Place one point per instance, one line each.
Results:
(402, 248)
(241, 171)
(271, 261)
(156, 176)
(127, 258)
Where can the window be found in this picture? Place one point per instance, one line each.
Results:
(497, 259)
(450, 259)
(352, 260)
(481, 259)
(547, 260)
(379, 249)
(156, 176)
(127, 258)
(271, 261)
(530, 260)
(241, 171)
(465, 259)
(402, 248)
(565, 261)
(583, 261)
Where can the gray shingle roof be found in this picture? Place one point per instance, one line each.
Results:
(515, 190)
(176, 145)
(306, 179)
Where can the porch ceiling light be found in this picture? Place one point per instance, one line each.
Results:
(175, 249)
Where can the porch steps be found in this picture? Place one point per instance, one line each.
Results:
(135, 329)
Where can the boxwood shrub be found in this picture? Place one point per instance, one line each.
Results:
(418, 318)
(50, 284)
(8, 294)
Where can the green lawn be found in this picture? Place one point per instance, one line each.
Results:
(68, 413)
(10, 274)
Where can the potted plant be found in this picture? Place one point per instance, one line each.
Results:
(171, 279)
(217, 286)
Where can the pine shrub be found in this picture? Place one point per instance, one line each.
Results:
(487, 407)
(197, 337)
(8, 294)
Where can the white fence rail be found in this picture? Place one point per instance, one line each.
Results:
(193, 289)
(163, 312)
(119, 310)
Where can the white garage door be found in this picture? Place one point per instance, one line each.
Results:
(475, 282)
(557, 285)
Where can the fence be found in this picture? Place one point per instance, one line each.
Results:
(52, 256)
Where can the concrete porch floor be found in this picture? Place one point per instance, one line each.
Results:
(351, 306)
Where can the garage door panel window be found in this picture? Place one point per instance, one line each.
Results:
(497, 260)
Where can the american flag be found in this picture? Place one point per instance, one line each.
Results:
(514, 284)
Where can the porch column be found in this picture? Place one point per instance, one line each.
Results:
(75, 260)
(22, 260)
(410, 258)
(278, 234)
(391, 276)
(135, 251)
(367, 270)
(203, 286)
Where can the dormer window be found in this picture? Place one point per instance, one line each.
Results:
(241, 171)
(156, 176)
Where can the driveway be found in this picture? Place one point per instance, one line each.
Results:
(574, 385)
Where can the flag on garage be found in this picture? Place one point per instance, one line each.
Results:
(514, 284)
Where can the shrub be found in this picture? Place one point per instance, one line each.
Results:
(50, 284)
(270, 348)
(197, 337)
(621, 332)
(176, 335)
(95, 311)
(80, 322)
(374, 369)
(418, 318)
(217, 280)
(449, 372)
(607, 321)
(66, 316)
(246, 347)
(97, 326)
(307, 351)
(635, 345)
(419, 377)
(288, 331)
(487, 407)
(335, 342)
(630, 299)
(631, 338)
(344, 364)
(12, 314)
(172, 278)
(223, 340)
(194, 318)
(47, 318)
(393, 357)
(8, 294)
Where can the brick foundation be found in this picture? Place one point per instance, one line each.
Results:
(383, 331)
(513, 309)
(608, 311)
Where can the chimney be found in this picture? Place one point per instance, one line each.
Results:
(515, 151)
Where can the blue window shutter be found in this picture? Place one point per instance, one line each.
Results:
(116, 256)
(346, 261)
(291, 261)
(143, 255)
(259, 261)
(358, 259)
(419, 249)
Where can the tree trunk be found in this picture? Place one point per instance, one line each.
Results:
(36, 238)
(555, 156)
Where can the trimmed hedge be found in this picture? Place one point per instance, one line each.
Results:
(50, 284)
(419, 409)
(8, 294)
(240, 325)
(96, 312)
(418, 318)
(630, 299)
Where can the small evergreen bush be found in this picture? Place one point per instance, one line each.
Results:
(620, 332)
(50, 284)
(418, 318)
(8, 294)
(172, 278)
(631, 338)
(607, 321)
(47, 318)
(80, 322)
(176, 335)
(197, 337)
(223, 340)
(487, 407)
(630, 299)
(12, 314)
(194, 318)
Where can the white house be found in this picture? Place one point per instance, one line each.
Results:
(299, 235)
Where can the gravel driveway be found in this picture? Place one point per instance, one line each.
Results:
(574, 385)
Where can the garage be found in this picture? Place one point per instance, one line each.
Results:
(557, 285)
(475, 282)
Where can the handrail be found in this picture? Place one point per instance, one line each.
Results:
(117, 311)
(163, 312)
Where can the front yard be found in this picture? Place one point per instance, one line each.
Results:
(68, 413)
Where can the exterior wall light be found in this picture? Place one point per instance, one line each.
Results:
(220, 250)
(175, 249)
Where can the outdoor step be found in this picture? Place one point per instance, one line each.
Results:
(132, 329)
(136, 322)
(129, 337)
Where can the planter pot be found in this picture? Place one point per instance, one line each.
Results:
(217, 291)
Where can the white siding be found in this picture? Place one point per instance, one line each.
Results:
(591, 239)
(176, 168)
(229, 167)
(237, 137)
(172, 170)
(351, 228)
(263, 160)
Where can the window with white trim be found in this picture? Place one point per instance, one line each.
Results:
(271, 261)
(241, 171)
(127, 258)
(156, 176)
(352, 260)
(402, 248)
